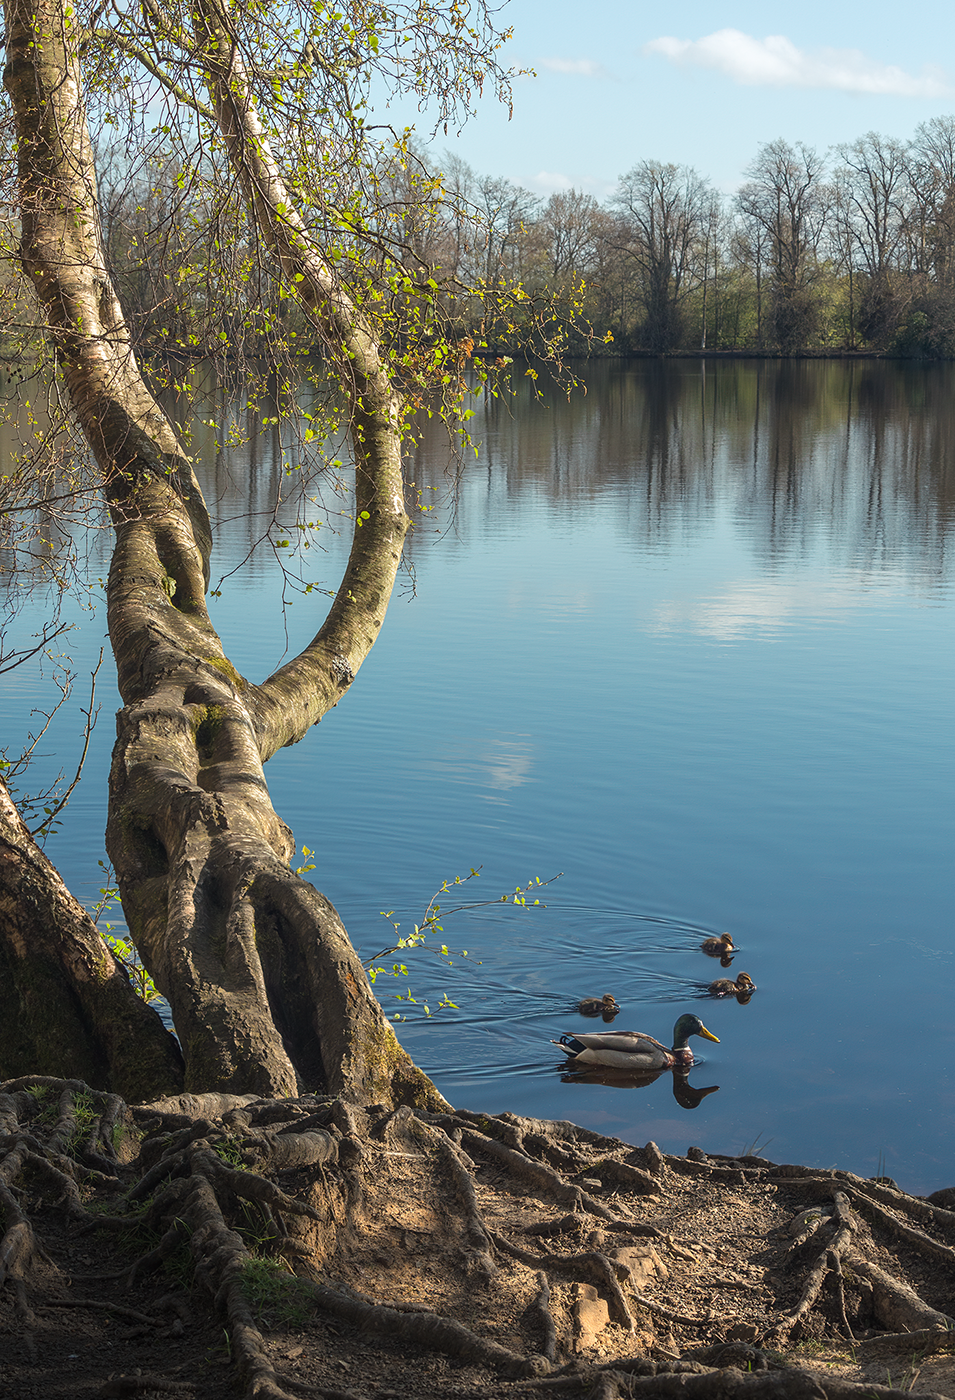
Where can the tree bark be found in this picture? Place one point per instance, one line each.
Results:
(267, 994)
(64, 1000)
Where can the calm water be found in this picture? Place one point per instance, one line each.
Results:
(689, 639)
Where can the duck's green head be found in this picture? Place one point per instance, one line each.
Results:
(690, 1025)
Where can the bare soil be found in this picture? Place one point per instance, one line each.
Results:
(219, 1248)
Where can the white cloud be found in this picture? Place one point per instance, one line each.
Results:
(580, 67)
(555, 182)
(776, 62)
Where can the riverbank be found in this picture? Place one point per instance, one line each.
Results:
(309, 1247)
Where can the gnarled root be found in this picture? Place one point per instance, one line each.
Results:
(827, 1260)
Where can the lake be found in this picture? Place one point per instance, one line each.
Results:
(689, 639)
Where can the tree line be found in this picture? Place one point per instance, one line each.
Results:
(851, 250)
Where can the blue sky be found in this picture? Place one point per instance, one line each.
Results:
(702, 85)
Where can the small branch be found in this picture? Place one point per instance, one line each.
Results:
(87, 731)
(96, 1305)
(141, 55)
(142, 1381)
(11, 659)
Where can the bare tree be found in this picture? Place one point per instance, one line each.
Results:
(872, 195)
(504, 213)
(663, 219)
(715, 268)
(786, 198)
(929, 327)
(930, 226)
(570, 223)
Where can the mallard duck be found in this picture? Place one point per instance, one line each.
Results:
(632, 1050)
(718, 947)
(723, 987)
(593, 1006)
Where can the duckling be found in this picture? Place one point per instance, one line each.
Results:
(723, 987)
(595, 1006)
(718, 947)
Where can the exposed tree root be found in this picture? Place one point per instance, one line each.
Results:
(326, 1230)
(428, 1329)
(524, 1169)
(636, 1376)
(840, 1291)
(897, 1306)
(541, 1307)
(17, 1249)
(827, 1260)
(597, 1267)
(789, 1384)
(926, 1341)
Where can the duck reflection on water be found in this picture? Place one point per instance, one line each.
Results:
(685, 1093)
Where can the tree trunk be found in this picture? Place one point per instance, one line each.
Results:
(267, 994)
(64, 1000)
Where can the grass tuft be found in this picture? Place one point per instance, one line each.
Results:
(276, 1296)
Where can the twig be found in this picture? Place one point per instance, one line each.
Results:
(87, 731)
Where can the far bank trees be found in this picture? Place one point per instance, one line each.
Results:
(664, 214)
(853, 249)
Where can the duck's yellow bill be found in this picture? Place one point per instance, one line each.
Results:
(709, 1034)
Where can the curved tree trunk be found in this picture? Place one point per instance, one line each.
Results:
(268, 995)
(64, 1000)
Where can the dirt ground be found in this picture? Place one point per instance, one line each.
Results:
(310, 1247)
